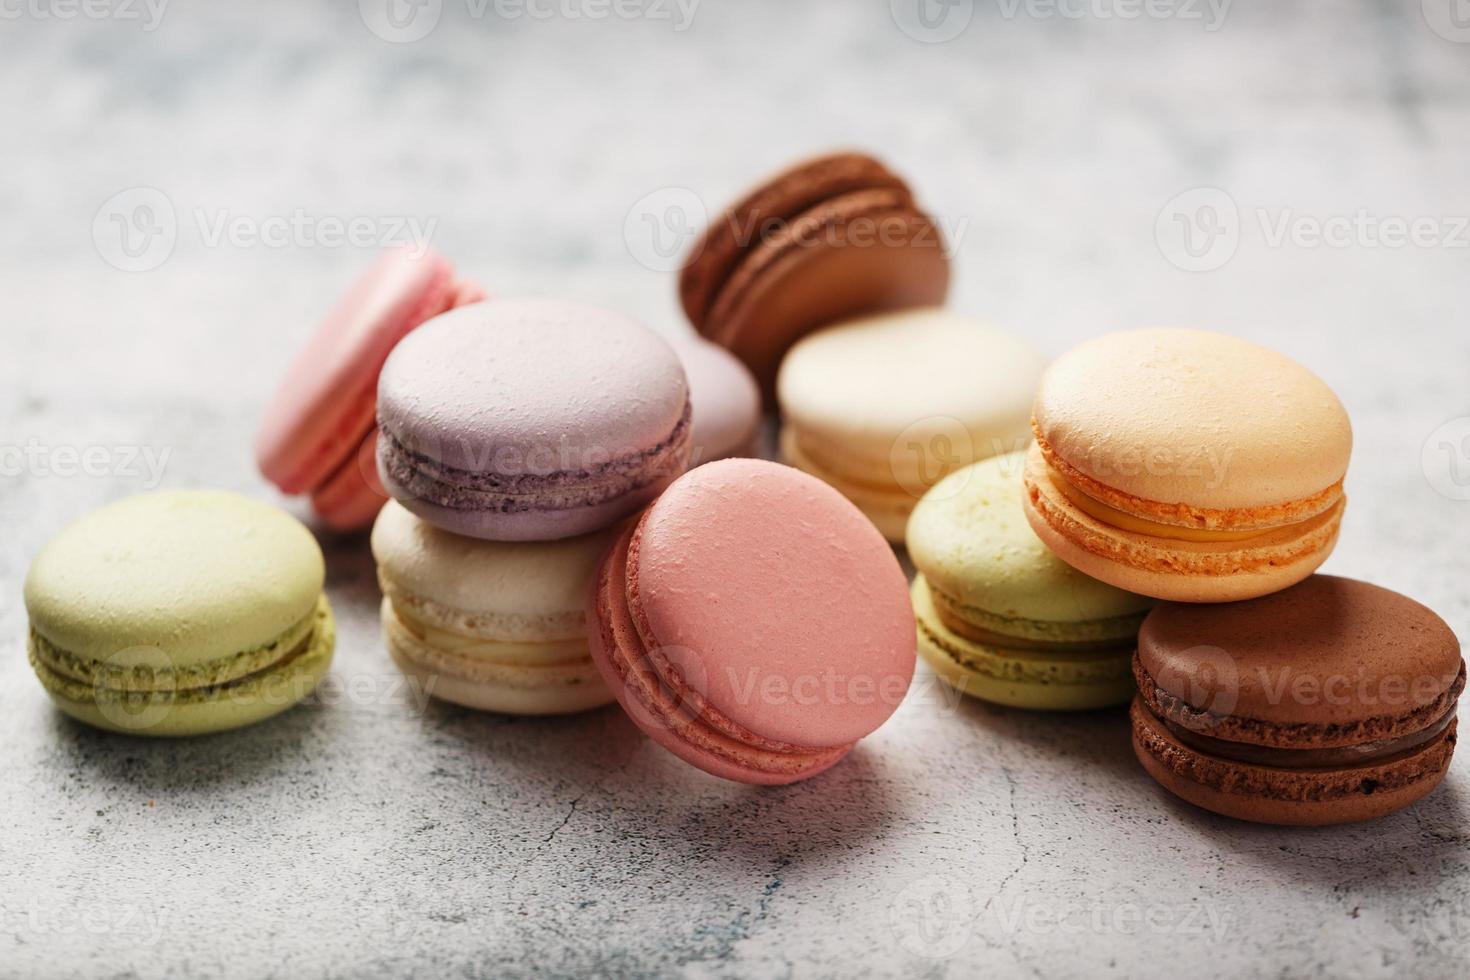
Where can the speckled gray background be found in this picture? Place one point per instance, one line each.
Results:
(366, 835)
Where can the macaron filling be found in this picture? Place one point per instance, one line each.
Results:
(1257, 741)
(1338, 757)
(479, 659)
(253, 673)
(1018, 633)
(647, 674)
(1178, 520)
(1103, 660)
(533, 486)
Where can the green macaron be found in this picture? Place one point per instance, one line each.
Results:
(1002, 618)
(179, 613)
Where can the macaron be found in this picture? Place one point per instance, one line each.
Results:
(826, 240)
(1330, 702)
(493, 625)
(725, 403)
(530, 420)
(179, 613)
(1003, 619)
(884, 407)
(753, 622)
(1187, 465)
(317, 436)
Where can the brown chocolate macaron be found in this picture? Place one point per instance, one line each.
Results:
(1330, 702)
(831, 238)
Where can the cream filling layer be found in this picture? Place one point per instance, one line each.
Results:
(1113, 517)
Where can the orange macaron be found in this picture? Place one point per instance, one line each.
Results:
(1187, 465)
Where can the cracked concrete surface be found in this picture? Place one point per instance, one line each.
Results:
(366, 834)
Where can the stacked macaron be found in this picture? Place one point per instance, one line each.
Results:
(515, 436)
(825, 279)
(1201, 469)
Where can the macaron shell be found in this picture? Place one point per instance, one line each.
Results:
(724, 401)
(1019, 679)
(970, 537)
(1281, 796)
(324, 407)
(195, 576)
(672, 719)
(533, 524)
(1387, 655)
(779, 198)
(786, 596)
(514, 591)
(1183, 571)
(352, 496)
(942, 376)
(860, 253)
(204, 711)
(1190, 416)
(531, 387)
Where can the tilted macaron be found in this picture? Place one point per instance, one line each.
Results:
(1330, 702)
(494, 625)
(1187, 465)
(724, 401)
(1002, 618)
(528, 420)
(884, 407)
(318, 434)
(753, 623)
(828, 239)
(179, 613)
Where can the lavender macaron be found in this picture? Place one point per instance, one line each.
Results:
(531, 420)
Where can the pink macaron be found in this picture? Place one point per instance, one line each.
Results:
(318, 433)
(753, 622)
(531, 420)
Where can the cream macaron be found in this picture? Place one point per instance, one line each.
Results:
(1187, 465)
(492, 625)
(884, 407)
